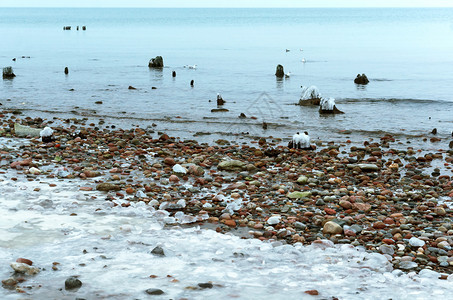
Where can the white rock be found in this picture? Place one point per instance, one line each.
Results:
(273, 220)
(47, 131)
(179, 169)
(34, 171)
(415, 242)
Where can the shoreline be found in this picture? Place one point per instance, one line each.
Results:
(379, 205)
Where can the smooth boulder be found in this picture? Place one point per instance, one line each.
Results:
(361, 79)
(157, 62)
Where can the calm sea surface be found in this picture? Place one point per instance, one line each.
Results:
(406, 53)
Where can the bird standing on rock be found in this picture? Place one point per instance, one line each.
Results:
(220, 100)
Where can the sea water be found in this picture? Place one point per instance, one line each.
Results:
(406, 53)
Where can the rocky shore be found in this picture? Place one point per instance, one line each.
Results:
(382, 195)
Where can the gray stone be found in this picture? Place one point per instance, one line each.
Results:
(302, 179)
(154, 292)
(205, 285)
(72, 283)
(364, 167)
(231, 165)
(158, 251)
(22, 131)
(298, 195)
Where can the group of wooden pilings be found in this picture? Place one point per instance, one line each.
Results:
(69, 28)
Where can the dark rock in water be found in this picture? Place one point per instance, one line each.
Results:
(98, 102)
(72, 283)
(330, 112)
(264, 125)
(158, 251)
(157, 62)
(434, 131)
(131, 88)
(77, 27)
(361, 79)
(67, 28)
(14, 59)
(219, 110)
(66, 70)
(84, 28)
(191, 83)
(154, 292)
(173, 74)
(451, 144)
(9, 283)
(220, 100)
(8, 72)
(242, 116)
(206, 285)
(154, 88)
(310, 102)
(279, 71)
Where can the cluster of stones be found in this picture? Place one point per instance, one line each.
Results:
(388, 200)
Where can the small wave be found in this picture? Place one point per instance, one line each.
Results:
(380, 79)
(390, 100)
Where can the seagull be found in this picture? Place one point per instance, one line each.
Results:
(193, 67)
(303, 60)
(287, 75)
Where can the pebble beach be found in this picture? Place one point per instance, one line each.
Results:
(380, 195)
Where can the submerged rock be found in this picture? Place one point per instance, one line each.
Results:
(66, 70)
(279, 71)
(361, 79)
(8, 72)
(157, 62)
(154, 292)
(72, 283)
(24, 268)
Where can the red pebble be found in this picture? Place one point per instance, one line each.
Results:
(24, 261)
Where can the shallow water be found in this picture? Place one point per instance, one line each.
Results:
(406, 53)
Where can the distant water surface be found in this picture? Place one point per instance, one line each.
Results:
(406, 53)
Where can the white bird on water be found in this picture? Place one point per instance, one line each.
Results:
(193, 67)
(287, 75)
(303, 60)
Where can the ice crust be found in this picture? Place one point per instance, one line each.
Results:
(117, 262)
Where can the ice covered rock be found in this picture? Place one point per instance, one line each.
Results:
(327, 106)
(24, 268)
(47, 131)
(34, 171)
(310, 96)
